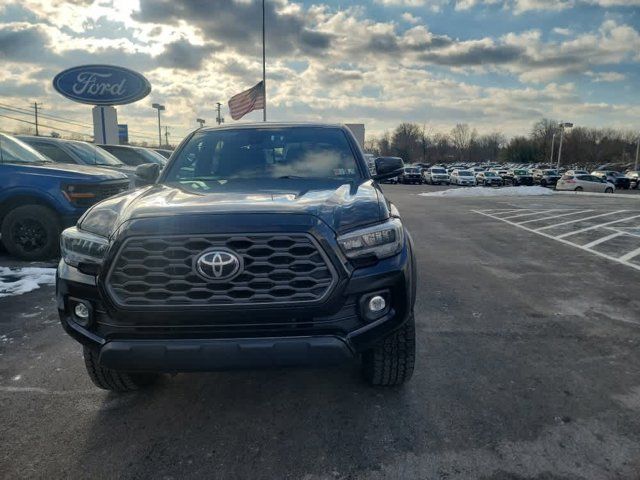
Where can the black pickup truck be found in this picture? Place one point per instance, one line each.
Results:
(257, 246)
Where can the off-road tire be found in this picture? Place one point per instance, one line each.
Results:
(115, 380)
(46, 219)
(391, 362)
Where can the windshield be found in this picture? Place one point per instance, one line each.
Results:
(490, 174)
(13, 150)
(411, 170)
(438, 170)
(550, 172)
(92, 155)
(221, 156)
(152, 157)
(520, 172)
(465, 173)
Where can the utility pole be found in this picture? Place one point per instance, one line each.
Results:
(553, 143)
(562, 127)
(635, 168)
(166, 136)
(35, 106)
(219, 118)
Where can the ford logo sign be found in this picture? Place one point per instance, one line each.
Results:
(101, 85)
(218, 264)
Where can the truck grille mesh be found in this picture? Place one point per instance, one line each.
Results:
(277, 269)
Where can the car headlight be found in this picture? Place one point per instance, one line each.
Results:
(78, 246)
(382, 240)
(101, 219)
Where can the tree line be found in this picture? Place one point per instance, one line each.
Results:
(588, 147)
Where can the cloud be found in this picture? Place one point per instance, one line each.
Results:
(410, 18)
(599, 77)
(184, 55)
(21, 42)
(562, 31)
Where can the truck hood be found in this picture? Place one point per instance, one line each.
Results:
(341, 207)
(72, 171)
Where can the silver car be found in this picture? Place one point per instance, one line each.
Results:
(586, 183)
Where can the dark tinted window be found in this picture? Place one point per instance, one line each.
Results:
(126, 155)
(54, 152)
(271, 153)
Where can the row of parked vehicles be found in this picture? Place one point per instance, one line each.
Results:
(46, 184)
(516, 175)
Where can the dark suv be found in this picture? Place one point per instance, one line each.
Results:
(259, 245)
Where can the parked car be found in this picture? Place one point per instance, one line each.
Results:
(501, 171)
(436, 175)
(410, 175)
(547, 177)
(163, 151)
(392, 180)
(38, 197)
(79, 153)
(134, 156)
(586, 183)
(518, 176)
(634, 178)
(577, 172)
(619, 180)
(489, 179)
(277, 279)
(463, 177)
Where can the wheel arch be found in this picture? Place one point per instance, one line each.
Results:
(10, 202)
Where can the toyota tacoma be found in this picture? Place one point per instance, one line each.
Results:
(261, 245)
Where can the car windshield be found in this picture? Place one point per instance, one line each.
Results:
(13, 150)
(92, 155)
(490, 174)
(411, 170)
(249, 154)
(438, 170)
(465, 173)
(520, 172)
(151, 156)
(550, 172)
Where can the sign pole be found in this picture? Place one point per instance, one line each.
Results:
(264, 70)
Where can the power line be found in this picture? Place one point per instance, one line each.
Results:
(46, 126)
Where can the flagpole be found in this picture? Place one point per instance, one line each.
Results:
(264, 70)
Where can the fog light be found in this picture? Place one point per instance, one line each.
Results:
(81, 311)
(377, 304)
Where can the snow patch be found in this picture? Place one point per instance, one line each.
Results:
(490, 192)
(17, 281)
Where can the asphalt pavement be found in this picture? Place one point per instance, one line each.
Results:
(528, 367)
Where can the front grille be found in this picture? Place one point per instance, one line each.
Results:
(106, 190)
(158, 271)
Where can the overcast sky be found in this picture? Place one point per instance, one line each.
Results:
(495, 64)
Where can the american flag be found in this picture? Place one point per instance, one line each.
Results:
(247, 101)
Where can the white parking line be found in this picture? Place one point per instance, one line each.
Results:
(531, 213)
(623, 259)
(555, 216)
(630, 255)
(593, 227)
(602, 240)
(579, 220)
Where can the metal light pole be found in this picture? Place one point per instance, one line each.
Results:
(219, 118)
(553, 143)
(635, 168)
(562, 127)
(159, 107)
(200, 121)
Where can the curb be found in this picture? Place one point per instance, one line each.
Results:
(595, 194)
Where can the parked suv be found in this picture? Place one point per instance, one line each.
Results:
(38, 198)
(618, 179)
(259, 245)
(436, 175)
(410, 175)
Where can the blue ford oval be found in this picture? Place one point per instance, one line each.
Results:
(102, 85)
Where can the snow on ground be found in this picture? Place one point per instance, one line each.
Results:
(490, 192)
(16, 281)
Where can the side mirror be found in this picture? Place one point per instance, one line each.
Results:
(147, 173)
(388, 167)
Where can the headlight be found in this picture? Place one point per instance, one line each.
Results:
(383, 240)
(78, 247)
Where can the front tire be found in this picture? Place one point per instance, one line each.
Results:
(31, 232)
(608, 190)
(115, 380)
(578, 189)
(391, 361)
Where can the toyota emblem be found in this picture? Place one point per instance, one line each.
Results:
(218, 264)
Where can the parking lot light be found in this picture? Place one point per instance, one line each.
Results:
(159, 107)
(563, 125)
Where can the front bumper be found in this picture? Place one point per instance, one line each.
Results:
(208, 339)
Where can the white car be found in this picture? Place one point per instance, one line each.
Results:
(463, 177)
(584, 183)
(436, 175)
